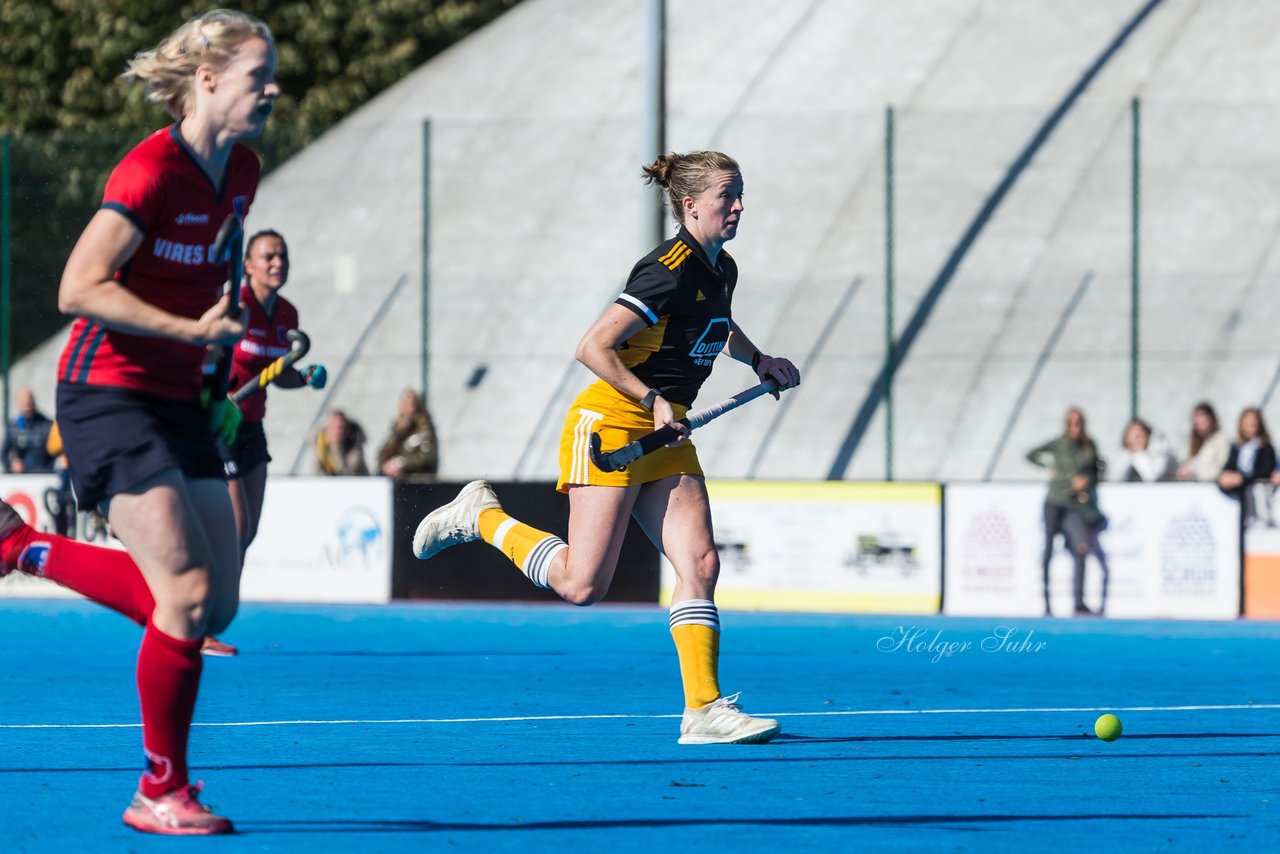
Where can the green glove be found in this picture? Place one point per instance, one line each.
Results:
(224, 418)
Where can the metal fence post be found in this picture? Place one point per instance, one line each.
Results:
(890, 358)
(424, 344)
(1134, 246)
(6, 289)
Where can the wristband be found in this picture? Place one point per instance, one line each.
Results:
(648, 400)
(755, 361)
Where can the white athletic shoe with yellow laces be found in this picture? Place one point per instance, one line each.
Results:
(456, 522)
(722, 722)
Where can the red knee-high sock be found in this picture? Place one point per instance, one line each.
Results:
(107, 576)
(168, 681)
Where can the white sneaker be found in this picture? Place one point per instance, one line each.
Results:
(456, 522)
(722, 722)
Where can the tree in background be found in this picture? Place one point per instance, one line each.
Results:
(71, 118)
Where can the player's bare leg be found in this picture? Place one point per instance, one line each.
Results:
(246, 492)
(180, 552)
(598, 516)
(597, 524)
(676, 515)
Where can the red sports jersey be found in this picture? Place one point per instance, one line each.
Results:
(264, 341)
(162, 189)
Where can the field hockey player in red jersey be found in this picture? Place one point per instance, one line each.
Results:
(144, 289)
(651, 351)
(268, 321)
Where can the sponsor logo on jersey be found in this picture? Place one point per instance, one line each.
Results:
(701, 297)
(254, 348)
(710, 342)
(187, 254)
(192, 219)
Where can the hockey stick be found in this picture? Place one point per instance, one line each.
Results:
(629, 453)
(299, 344)
(229, 247)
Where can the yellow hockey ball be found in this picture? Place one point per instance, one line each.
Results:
(1107, 727)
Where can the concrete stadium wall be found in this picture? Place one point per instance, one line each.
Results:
(536, 219)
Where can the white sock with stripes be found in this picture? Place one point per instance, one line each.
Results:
(538, 565)
(695, 612)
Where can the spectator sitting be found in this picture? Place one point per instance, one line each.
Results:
(1209, 448)
(340, 447)
(1251, 458)
(410, 447)
(27, 439)
(1147, 457)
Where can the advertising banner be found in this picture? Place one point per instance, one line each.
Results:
(1262, 553)
(322, 540)
(825, 546)
(1168, 550)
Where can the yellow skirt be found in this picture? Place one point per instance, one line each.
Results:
(619, 420)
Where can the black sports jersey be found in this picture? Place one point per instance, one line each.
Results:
(685, 301)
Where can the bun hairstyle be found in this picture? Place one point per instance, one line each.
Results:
(686, 175)
(169, 69)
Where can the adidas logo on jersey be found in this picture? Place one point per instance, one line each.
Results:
(701, 297)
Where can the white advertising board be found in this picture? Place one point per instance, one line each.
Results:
(1169, 551)
(825, 546)
(321, 539)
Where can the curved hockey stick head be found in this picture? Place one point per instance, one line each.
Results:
(299, 343)
(598, 457)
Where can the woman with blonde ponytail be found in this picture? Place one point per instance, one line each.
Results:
(651, 351)
(144, 291)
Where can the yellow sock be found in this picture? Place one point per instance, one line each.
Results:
(531, 550)
(698, 645)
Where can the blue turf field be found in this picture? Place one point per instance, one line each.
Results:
(421, 727)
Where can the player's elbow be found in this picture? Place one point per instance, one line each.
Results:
(68, 303)
(71, 295)
(584, 351)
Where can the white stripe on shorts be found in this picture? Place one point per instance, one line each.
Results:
(580, 459)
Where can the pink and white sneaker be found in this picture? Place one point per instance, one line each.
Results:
(176, 813)
(213, 646)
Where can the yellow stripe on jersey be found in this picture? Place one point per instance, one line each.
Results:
(679, 257)
(643, 344)
(676, 255)
(672, 252)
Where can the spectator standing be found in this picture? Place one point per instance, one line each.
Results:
(1071, 505)
(410, 447)
(26, 442)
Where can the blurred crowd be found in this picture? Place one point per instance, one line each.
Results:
(1243, 466)
(408, 451)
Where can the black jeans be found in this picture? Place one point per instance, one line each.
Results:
(1078, 534)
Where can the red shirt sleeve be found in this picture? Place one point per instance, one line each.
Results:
(136, 189)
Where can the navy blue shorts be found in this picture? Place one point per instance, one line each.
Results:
(249, 450)
(115, 438)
